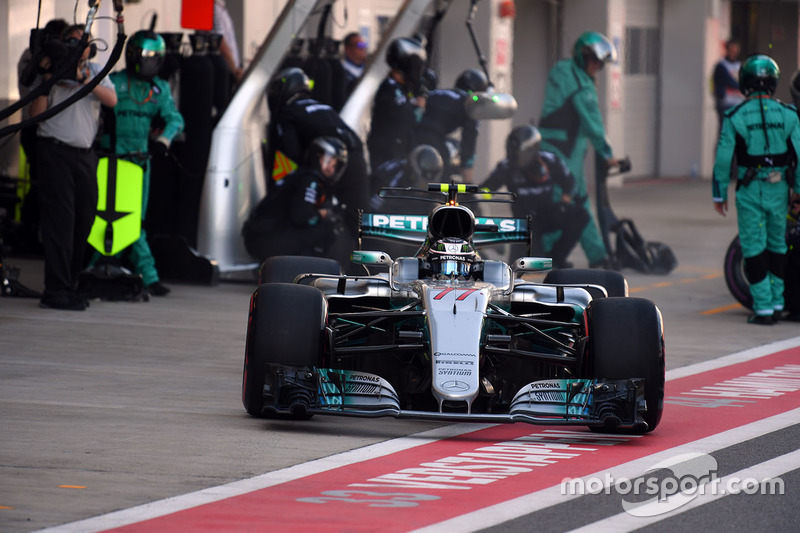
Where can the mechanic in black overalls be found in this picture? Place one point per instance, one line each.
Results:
(399, 103)
(296, 120)
(543, 185)
(300, 217)
(446, 112)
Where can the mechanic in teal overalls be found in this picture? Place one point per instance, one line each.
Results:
(141, 95)
(764, 135)
(571, 118)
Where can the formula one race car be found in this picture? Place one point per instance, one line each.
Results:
(447, 335)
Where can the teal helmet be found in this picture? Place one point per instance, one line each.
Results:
(144, 54)
(592, 44)
(759, 72)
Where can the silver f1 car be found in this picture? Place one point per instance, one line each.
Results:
(447, 335)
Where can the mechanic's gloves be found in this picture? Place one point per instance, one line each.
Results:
(160, 148)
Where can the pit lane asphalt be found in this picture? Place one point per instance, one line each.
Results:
(128, 403)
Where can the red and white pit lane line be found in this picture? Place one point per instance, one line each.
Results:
(466, 477)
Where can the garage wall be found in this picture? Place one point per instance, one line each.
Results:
(531, 61)
(641, 73)
(687, 126)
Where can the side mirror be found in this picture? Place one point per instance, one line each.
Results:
(404, 270)
(532, 264)
(371, 258)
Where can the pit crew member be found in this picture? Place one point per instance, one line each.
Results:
(571, 119)
(399, 103)
(141, 96)
(300, 217)
(764, 135)
(445, 112)
(296, 120)
(543, 185)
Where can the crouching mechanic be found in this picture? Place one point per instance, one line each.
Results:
(300, 216)
(423, 165)
(141, 96)
(543, 185)
(764, 135)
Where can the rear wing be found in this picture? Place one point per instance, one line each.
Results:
(413, 229)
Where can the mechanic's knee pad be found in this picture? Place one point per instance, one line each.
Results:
(756, 267)
(777, 264)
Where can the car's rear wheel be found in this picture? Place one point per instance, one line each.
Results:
(284, 268)
(626, 340)
(285, 327)
(613, 282)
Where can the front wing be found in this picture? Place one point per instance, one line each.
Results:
(611, 403)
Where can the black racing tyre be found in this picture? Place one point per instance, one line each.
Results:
(284, 268)
(735, 277)
(285, 326)
(626, 340)
(613, 282)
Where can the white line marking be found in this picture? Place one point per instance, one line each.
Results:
(536, 501)
(486, 517)
(237, 488)
(728, 360)
(762, 471)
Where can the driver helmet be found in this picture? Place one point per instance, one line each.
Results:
(289, 85)
(328, 157)
(594, 45)
(451, 257)
(759, 72)
(407, 56)
(522, 146)
(144, 54)
(426, 163)
(472, 81)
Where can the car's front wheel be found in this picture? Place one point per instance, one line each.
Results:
(285, 327)
(626, 340)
